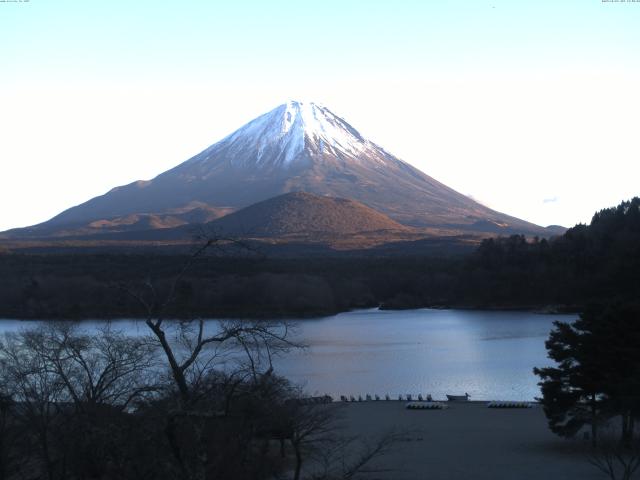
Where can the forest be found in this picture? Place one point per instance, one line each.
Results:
(588, 263)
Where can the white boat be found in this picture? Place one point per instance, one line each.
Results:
(458, 398)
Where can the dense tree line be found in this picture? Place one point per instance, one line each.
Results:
(596, 262)
(588, 262)
(595, 382)
(90, 286)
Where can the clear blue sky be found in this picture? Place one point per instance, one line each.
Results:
(529, 106)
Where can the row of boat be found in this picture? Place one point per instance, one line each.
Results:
(408, 397)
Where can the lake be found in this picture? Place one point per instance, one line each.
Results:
(488, 354)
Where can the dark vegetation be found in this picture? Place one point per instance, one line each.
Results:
(594, 388)
(89, 285)
(75, 406)
(589, 263)
(592, 262)
(179, 401)
(597, 376)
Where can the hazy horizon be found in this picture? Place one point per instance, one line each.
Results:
(529, 108)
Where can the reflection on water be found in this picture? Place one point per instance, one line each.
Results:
(490, 355)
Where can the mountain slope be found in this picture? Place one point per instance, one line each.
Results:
(295, 147)
(305, 213)
(290, 219)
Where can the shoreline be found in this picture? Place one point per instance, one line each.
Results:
(395, 400)
(539, 310)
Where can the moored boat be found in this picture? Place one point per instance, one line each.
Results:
(458, 398)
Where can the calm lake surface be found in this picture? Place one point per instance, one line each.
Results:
(490, 355)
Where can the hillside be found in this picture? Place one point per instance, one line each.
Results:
(305, 213)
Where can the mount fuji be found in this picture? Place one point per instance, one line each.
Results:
(296, 147)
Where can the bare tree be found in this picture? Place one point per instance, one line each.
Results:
(10, 458)
(322, 451)
(312, 428)
(71, 390)
(39, 394)
(259, 340)
(193, 349)
(617, 459)
(105, 368)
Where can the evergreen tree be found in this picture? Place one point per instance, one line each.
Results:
(617, 329)
(597, 374)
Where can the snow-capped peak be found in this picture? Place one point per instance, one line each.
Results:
(293, 131)
(322, 126)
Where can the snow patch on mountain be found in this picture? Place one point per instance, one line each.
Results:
(288, 134)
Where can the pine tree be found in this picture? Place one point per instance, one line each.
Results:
(597, 376)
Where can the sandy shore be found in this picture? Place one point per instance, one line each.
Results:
(469, 441)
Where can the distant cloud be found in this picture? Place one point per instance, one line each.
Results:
(476, 199)
(550, 200)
